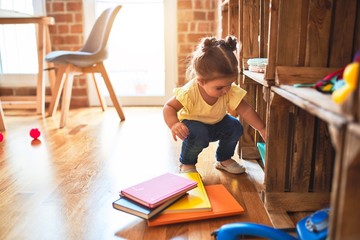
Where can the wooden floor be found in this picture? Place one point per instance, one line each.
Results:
(63, 186)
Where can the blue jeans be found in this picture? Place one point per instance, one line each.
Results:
(227, 132)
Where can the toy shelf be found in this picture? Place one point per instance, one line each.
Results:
(310, 99)
(312, 143)
(257, 77)
(314, 102)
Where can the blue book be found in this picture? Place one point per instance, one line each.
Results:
(126, 205)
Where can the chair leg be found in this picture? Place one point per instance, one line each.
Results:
(52, 76)
(57, 88)
(110, 88)
(65, 105)
(100, 96)
(2, 119)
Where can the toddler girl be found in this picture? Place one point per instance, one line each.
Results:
(198, 112)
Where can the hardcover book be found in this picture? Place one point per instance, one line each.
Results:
(222, 202)
(195, 201)
(155, 191)
(126, 205)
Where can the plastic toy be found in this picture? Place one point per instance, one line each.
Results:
(35, 133)
(313, 227)
(329, 83)
(350, 76)
(1, 137)
(339, 83)
(262, 150)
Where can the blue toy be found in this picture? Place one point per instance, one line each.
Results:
(262, 150)
(313, 227)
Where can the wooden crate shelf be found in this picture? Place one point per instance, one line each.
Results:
(312, 154)
(346, 193)
(259, 78)
(314, 102)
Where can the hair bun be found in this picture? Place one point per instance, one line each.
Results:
(231, 43)
(208, 43)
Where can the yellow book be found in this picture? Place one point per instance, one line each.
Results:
(196, 200)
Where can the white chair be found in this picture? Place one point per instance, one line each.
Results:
(89, 59)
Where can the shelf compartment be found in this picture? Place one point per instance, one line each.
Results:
(309, 98)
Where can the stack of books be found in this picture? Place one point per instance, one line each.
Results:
(174, 198)
(150, 197)
(196, 200)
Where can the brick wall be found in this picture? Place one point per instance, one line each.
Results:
(196, 19)
(67, 34)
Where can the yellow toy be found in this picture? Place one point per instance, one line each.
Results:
(350, 77)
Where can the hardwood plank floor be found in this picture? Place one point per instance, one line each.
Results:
(63, 186)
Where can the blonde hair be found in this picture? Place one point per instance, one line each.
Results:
(214, 58)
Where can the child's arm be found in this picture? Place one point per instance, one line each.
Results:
(171, 107)
(247, 113)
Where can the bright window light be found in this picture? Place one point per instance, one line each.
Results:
(136, 64)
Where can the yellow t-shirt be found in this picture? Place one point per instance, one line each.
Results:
(195, 108)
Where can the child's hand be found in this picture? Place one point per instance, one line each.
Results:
(180, 130)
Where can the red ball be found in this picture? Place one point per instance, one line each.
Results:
(35, 133)
(1, 137)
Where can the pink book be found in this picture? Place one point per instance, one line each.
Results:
(155, 191)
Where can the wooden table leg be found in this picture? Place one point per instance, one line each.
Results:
(40, 86)
(2, 120)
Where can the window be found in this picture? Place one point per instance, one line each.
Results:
(142, 59)
(18, 57)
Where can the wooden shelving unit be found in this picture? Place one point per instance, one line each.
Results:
(255, 76)
(311, 158)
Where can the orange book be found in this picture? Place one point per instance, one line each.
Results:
(222, 202)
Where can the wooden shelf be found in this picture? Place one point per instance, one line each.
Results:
(309, 142)
(308, 98)
(315, 102)
(257, 77)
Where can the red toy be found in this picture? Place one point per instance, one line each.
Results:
(35, 133)
(1, 137)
